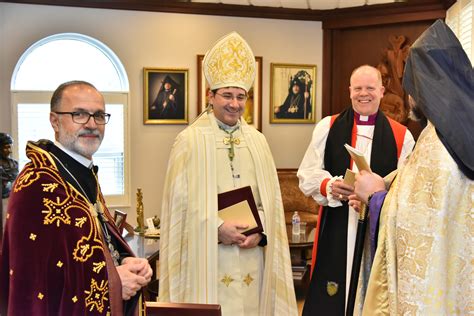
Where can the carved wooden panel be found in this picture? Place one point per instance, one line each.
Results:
(347, 48)
(392, 65)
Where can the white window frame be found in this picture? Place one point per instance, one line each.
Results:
(112, 97)
(456, 19)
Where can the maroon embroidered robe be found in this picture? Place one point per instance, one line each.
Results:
(54, 259)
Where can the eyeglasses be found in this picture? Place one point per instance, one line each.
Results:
(230, 97)
(82, 117)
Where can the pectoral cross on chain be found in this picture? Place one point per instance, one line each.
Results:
(231, 140)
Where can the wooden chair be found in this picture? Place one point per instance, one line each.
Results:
(295, 200)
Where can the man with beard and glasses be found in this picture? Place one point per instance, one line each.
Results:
(423, 255)
(62, 253)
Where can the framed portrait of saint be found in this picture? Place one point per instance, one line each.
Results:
(292, 93)
(165, 96)
(253, 105)
(120, 218)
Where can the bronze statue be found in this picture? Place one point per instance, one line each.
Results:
(8, 173)
(8, 166)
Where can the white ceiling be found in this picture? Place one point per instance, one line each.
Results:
(302, 4)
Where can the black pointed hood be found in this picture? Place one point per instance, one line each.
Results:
(440, 78)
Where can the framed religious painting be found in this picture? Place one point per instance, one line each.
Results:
(253, 105)
(165, 96)
(120, 219)
(292, 93)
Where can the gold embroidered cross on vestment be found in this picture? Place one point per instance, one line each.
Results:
(248, 279)
(227, 280)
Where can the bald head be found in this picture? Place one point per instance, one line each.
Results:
(56, 99)
(366, 69)
(366, 90)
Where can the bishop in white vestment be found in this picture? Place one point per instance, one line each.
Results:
(202, 258)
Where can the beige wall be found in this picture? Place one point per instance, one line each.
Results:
(149, 39)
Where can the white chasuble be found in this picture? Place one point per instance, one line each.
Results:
(240, 271)
(424, 263)
(192, 263)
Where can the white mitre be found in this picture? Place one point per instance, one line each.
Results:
(230, 63)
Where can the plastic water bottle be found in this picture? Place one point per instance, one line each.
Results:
(295, 227)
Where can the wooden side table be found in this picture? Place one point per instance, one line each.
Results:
(300, 253)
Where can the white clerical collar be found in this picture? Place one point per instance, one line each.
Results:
(365, 119)
(228, 128)
(81, 159)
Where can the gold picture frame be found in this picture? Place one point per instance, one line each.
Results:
(165, 96)
(253, 105)
(292, 93)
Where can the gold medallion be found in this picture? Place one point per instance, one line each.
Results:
(331, 288)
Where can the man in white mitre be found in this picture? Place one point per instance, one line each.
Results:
(204, 259)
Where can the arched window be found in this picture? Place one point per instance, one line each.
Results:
(64, 57)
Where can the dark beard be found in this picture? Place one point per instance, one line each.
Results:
(417, 115)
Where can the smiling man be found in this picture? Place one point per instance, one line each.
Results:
(62, 254)
(423, 261)
(204, 259)
(385, 143)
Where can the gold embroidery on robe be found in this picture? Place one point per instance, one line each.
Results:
(97, 295)
(248, 279)
(56, 212)
(80, 221)
(227, 280)
(49, 187)
(98, 266)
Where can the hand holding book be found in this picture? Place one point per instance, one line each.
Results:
(239, 212)
(358, 158)
(229, 233)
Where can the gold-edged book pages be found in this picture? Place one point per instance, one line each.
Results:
(239, 206)
(358, 158)
(241, 213)
(349, 177)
